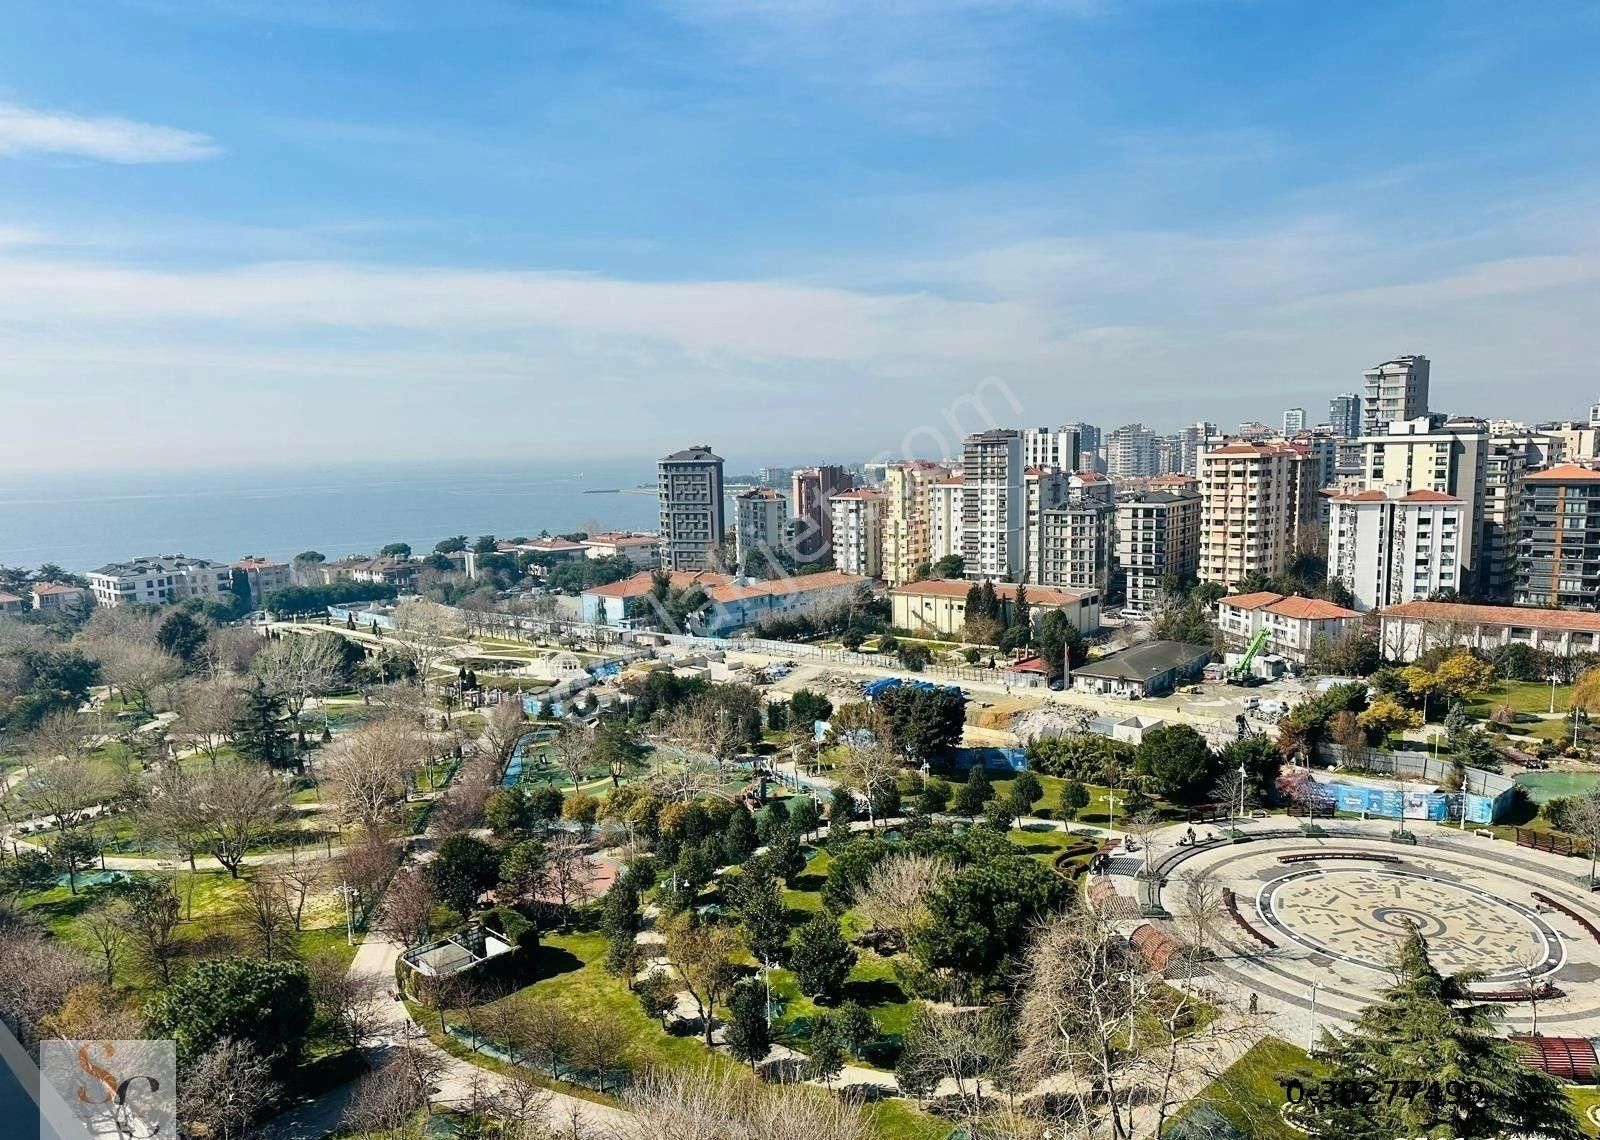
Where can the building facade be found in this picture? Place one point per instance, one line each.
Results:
(159, 579)
(907, 542)
(858, 533)
(945, 505)
(1089, 440)
(1344, 416)
(993, 510)
(1043, 489)
(1431, 453)
(1408, 631)
(58, 596)
(1131, 452)
(1050, 447)
(1559, 546)
(636, 546)
(1157, 539)
(1394, 546)
(1294, 420)
(760, 515)
(811, 524)
(263, 577)
(1249, 499)
(693, 515)
(1295, 626)
(1394, 390)
(938, 608)
(1505, 468)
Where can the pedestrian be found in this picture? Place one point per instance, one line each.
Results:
(1255, 1003)
(1191, 837)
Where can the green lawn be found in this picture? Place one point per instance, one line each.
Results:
(1248, 1093)
(1098, 811)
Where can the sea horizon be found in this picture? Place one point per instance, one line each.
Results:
(84, 520)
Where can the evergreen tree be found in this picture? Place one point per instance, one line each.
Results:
(1074, 798)
(749, 1036)
(1426, 1028)
(935, 796)
(821, 959)
(619, 922)
(739, 839)
(841, 808)
(260, 733)
(826, 1054)
(975, 601)
(788, 858)
(804, 817)
(988, 601)
(761, 912)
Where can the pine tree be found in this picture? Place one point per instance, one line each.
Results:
(761, 912)
(826, 1054)
(260, 733)
(820, 958)
(749, 1036)
(988, 601)
(1426, 1028)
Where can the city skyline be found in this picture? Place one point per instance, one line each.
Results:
(738, 220)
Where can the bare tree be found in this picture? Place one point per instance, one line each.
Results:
(229, 651)
(239, 804)
(407, 911)
(1203, 910)
(677, 1104)
(520, 1106)
(387, 1100)
(36, 975)
(894, 899)
(62, 789)
(298, 667)
(371, 771)
(102, 924)
(226, 1089)
(171, 816)
(870, 769)
(571, 749)
(138, 672)
(425, 631)
(503, 726)
(570, 872)
(1530, 979)
(299, 881)
(148, 912)
(264, 912)
(368, 864)
(347, 1001)
(702, 955)
(67, 735)
(207, 713)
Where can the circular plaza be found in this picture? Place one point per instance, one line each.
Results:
(1310, 924)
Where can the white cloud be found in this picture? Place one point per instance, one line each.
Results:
(30, 130)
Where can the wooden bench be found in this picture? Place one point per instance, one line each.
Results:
(1232, 903)
(1594, 933)
(1545, 841)
(1544, 991)
(1310, 857)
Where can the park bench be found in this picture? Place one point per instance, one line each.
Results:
(1232, 903)
(1594, 933)
(1308, 857)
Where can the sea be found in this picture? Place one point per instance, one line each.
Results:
(82, 521)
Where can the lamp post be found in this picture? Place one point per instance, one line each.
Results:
(1554, 677)
(1311, 1038)
(1241, 791)
(349, 894)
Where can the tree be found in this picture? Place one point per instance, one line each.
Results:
(914, 658)
(298, 667)
(454, 545)
(894, 899)
(1061, 644)
(820, 958)
(24, 873)
(425, 630)
(1025, 792)
(407, 913)
(73, 852)
(980, 915)
(1074, 798)
(524, 872)
(463, 868)
(762, 915)
(749, 1036)
(226, 1089)
(1427, 1027)
(147, 909)
(618, 749)
(267, 1005)
(182, 636)
(1259, 757)
(922, 723)
(1177, 761)
(950, 566)
(62, 789)
(701, 1105)
(935, 796)
(826, 1057)
(237, 805)
(264, 912)
(1387, 716)
(702, 954)
(371, 771)
(869, 769)
(658, 995)
(395, 550)
(259, 733)
(100, 923)
(807, 707)
(508, 812)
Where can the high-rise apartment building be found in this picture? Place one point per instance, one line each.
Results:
(1194, 439)
(1075, 546)
(1089, 458)
(1392, 545)
(689, 489)
(811, 526)
(1559, 562)
(1157, 539)
(1131, 452)
(759, 517)
(1043, 489)
(1050, 447)
(1394, 390)
(1249, 504)
(992, 506)
(944, 518)
(858, 532)
(907, 542)
(1430, 453)
(1344, 415)
(1294, 421)
(1509, 458)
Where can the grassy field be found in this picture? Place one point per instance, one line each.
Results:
(1096, 814)
(1248, 1093)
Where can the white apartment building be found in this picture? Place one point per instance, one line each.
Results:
(1050, 447)
(1192, 442)
(944, 518)
(907, 541)
(1394, 546)
(993, 510)
(1075, 547)
(1294, 421)
(858, 533)
(263, 577)
(1131, 452)
(1157, 537)
(1394, 390)
(759, 517)
(689, 489)
(1430, 453)
(1294, 625)
(159, 579)
(638, 547)
(1249, 503)
(1043, 489)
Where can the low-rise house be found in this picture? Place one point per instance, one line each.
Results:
(731, 603)
(11, 604)
(631, 603)
(59, 596)
(1406, 632)
(1294, 624)
(159, 579)
(263, 577)
(398, 572)
(637, 547)
(938, 606)
(1148, 670)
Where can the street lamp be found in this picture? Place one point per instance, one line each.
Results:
(1241, 791)
(349, 894)
(1311, 1039)
(1554, 677)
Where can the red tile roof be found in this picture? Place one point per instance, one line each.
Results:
(798, 584)
(1532, 617)
(1251, 601)
(1563, 473)
(6, 599)
(1312, 609)
(57, 588)
(640, 584)
(860, 494)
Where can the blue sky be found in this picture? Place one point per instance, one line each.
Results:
(283, 230)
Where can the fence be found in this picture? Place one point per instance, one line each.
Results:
(1485, 795)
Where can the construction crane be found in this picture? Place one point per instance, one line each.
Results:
(1241, 672)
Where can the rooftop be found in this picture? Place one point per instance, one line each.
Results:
(1563, 473)
(1289, 606)
(697, 453)
(796, 584)
(958, 587)
(1530, 617)
(156, 564)
(1145, 662)
(640, 584)
(46, 588)
(621, 538)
